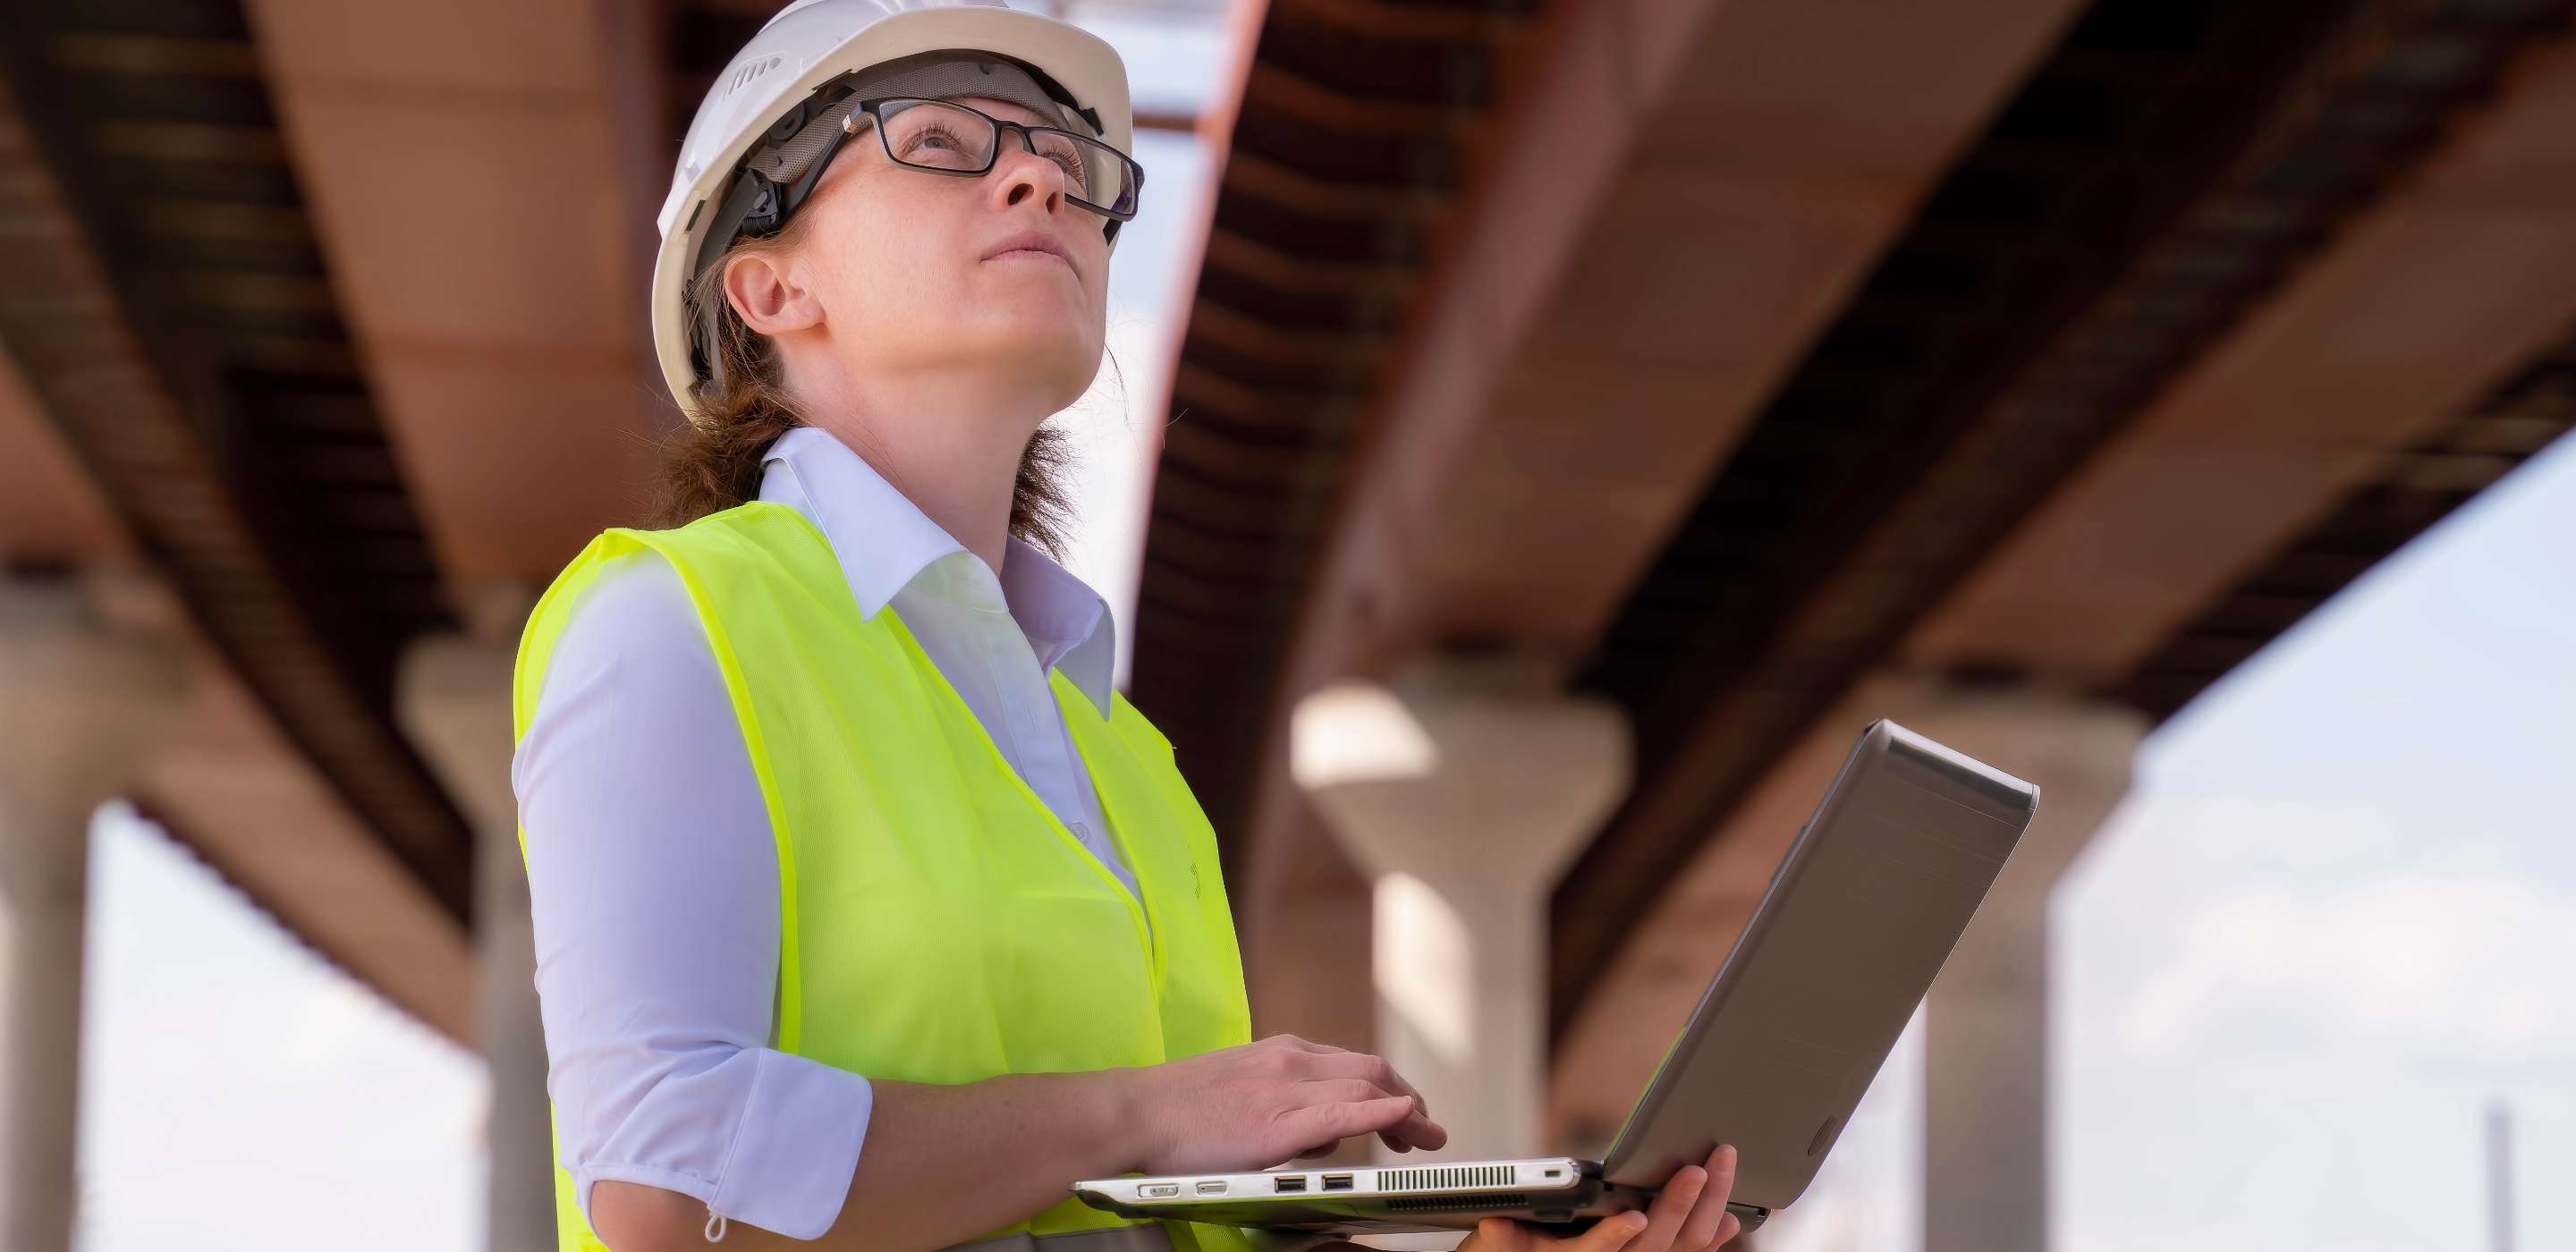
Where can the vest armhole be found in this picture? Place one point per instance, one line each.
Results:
(791, 1025)
(536, 649)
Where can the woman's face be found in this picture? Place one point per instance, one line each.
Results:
(913, 270)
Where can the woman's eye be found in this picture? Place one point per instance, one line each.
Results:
(923, 138)
(1072, 166)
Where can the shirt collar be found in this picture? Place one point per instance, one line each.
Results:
(885, 543)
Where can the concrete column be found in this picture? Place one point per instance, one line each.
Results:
(1986, 1073)
(454, 702)
(81, 707)
(1462, 791)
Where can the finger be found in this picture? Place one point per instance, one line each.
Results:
(1609, 1234)
(1343, 1091)
(1401, 1083)
(1339, 1064)
(1361, 1068)
(1671, 1208)
(1332, 1123)
(1413, 1131)
(1701, 1230)
(1727, 1230)
(1417, 1129)
(1385, 1076)
(1421, 1131)
(1499, 1234)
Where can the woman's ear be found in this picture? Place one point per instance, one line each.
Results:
(764, 288)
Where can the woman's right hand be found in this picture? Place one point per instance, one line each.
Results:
(1267, 1102)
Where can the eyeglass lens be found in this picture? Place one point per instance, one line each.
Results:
(937, 135)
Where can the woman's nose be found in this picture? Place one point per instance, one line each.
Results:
(1020, 173)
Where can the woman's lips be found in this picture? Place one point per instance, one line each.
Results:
(1031, 243)
(1031, 254)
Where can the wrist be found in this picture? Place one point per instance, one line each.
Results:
(1120, 1119)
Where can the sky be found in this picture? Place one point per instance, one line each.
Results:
(2335, 920)
(2326, 930)
(237, 1093)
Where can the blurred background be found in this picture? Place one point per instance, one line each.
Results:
(1542, 433)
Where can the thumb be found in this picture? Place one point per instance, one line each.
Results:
(1728, 1228)
(1611, 1233)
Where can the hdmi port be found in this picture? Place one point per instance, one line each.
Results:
(1292, 1182)
(1337, 1182)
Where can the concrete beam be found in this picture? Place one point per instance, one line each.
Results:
(2457, 276)
(161, 451)
(467, 177)
(1795, 144)
(50, 512)
(1669, 155)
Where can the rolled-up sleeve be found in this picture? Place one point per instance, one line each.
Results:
(655, 887)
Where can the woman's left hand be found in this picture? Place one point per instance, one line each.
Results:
(1688, 1215)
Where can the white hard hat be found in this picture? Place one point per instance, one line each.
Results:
(811, 43)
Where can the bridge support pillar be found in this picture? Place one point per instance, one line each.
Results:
(1461, 791)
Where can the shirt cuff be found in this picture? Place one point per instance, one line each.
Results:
(796, 1147)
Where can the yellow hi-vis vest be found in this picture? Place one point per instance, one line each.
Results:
(938, 924)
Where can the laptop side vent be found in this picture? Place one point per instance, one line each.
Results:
(1443, 1178)
(1453, 1203)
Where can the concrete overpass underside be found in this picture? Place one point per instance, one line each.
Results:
(2081, 360)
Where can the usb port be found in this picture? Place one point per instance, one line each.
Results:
(1216, 1187)
(1292, 1182)
(1337, 1182)
(1159, 1190)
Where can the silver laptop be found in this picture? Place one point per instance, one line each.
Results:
(1858, 919)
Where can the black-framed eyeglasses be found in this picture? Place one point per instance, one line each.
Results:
(945, 137)
(934, 136)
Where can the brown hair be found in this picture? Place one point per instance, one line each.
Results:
(712, 463)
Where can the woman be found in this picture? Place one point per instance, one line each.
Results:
(866, 911)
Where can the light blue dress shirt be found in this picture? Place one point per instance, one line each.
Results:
(651, 869)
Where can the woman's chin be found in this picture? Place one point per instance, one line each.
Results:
(1044, 374)
(1043, 347)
